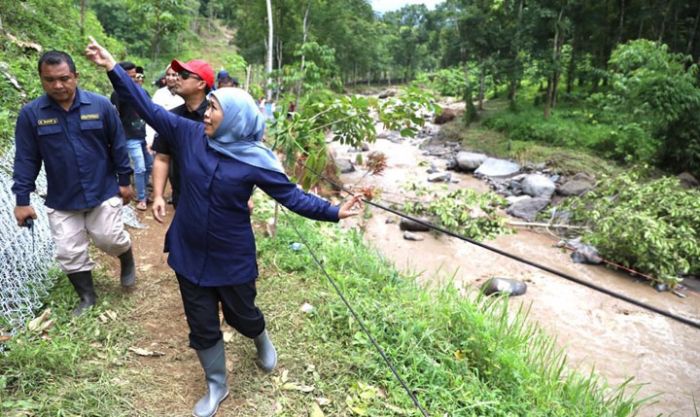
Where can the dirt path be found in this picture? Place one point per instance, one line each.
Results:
(170, 384)
(618, 339)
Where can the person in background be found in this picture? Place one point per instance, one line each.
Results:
(140, 75)
(135, 130)
(194, 80)
(145, 146)
(160, 81)
(165, 96)
(223, 79)
(210, 242)
(78, 137)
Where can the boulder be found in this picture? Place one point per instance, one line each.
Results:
(494, 167)
(412, 236)
(503, 286)
(584, 176)
(447, 115)
(538, 186)
(583, 253)
(387, 93)
(527, 208)
(688, 180)
(469, 161)
(440, 177)
(575, 187)
(412, 226)
(344, 165)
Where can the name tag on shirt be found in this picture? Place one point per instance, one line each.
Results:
(91, 116)
(47, 122)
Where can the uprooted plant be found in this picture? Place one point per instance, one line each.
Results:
(651, 226)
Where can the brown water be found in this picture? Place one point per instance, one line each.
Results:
(618, 339)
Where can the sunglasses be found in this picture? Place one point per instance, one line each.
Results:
(140, 76)
(184, 74)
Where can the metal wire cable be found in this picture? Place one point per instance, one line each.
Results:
(359, 320)
(568, 277)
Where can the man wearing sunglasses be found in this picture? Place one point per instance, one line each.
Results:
(194, 81)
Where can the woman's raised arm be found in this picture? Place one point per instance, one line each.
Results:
(162, 121)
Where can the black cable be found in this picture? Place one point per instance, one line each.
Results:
(359, 321)
(579, 281)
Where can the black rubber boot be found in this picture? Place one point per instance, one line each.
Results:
(213, 361)
(128, 269)
(82, 282)
(267, 354)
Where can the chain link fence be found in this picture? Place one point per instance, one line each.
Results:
(26, 255)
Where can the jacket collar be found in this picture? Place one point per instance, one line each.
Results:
(80, 97)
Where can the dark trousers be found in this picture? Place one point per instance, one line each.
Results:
(202, 311)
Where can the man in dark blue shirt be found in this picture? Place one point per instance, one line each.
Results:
(79, 138)
(135, 131)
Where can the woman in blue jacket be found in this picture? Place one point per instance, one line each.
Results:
(210, 242)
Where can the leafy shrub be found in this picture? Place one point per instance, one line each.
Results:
(467, 212)
(655, 94)
(653, 227)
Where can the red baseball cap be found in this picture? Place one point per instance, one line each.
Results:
(196, 66)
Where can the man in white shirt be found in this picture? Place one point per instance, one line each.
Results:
(165, 97)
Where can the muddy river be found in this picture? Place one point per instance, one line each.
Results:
(618, 339)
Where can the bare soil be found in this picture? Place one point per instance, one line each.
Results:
(170, 384)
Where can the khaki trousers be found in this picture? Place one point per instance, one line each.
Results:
(72, 230)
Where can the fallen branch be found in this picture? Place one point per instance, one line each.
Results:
(546, 225)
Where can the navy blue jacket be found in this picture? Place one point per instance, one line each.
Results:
(83, 150)
(210, 241)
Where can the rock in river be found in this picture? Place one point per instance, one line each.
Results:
(503, 286)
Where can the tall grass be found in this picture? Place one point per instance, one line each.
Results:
(73, 368)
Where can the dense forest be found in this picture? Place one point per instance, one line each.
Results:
(629, 67)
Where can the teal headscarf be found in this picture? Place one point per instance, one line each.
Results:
(240, 133)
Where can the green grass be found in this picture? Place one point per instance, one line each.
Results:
(74, 368)
(461, 356)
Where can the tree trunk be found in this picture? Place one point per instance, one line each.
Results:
(674, 38)
(302, 66)
(482, 86)
(155, 42)
(82, 17)
(691, 37)
(571, 69)
(471, 113)
(248, 75)
(279, 68)
(547, 109)
(270, 45)
(663, 21)
(621, 26)
(553, 81)
(515, 71)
